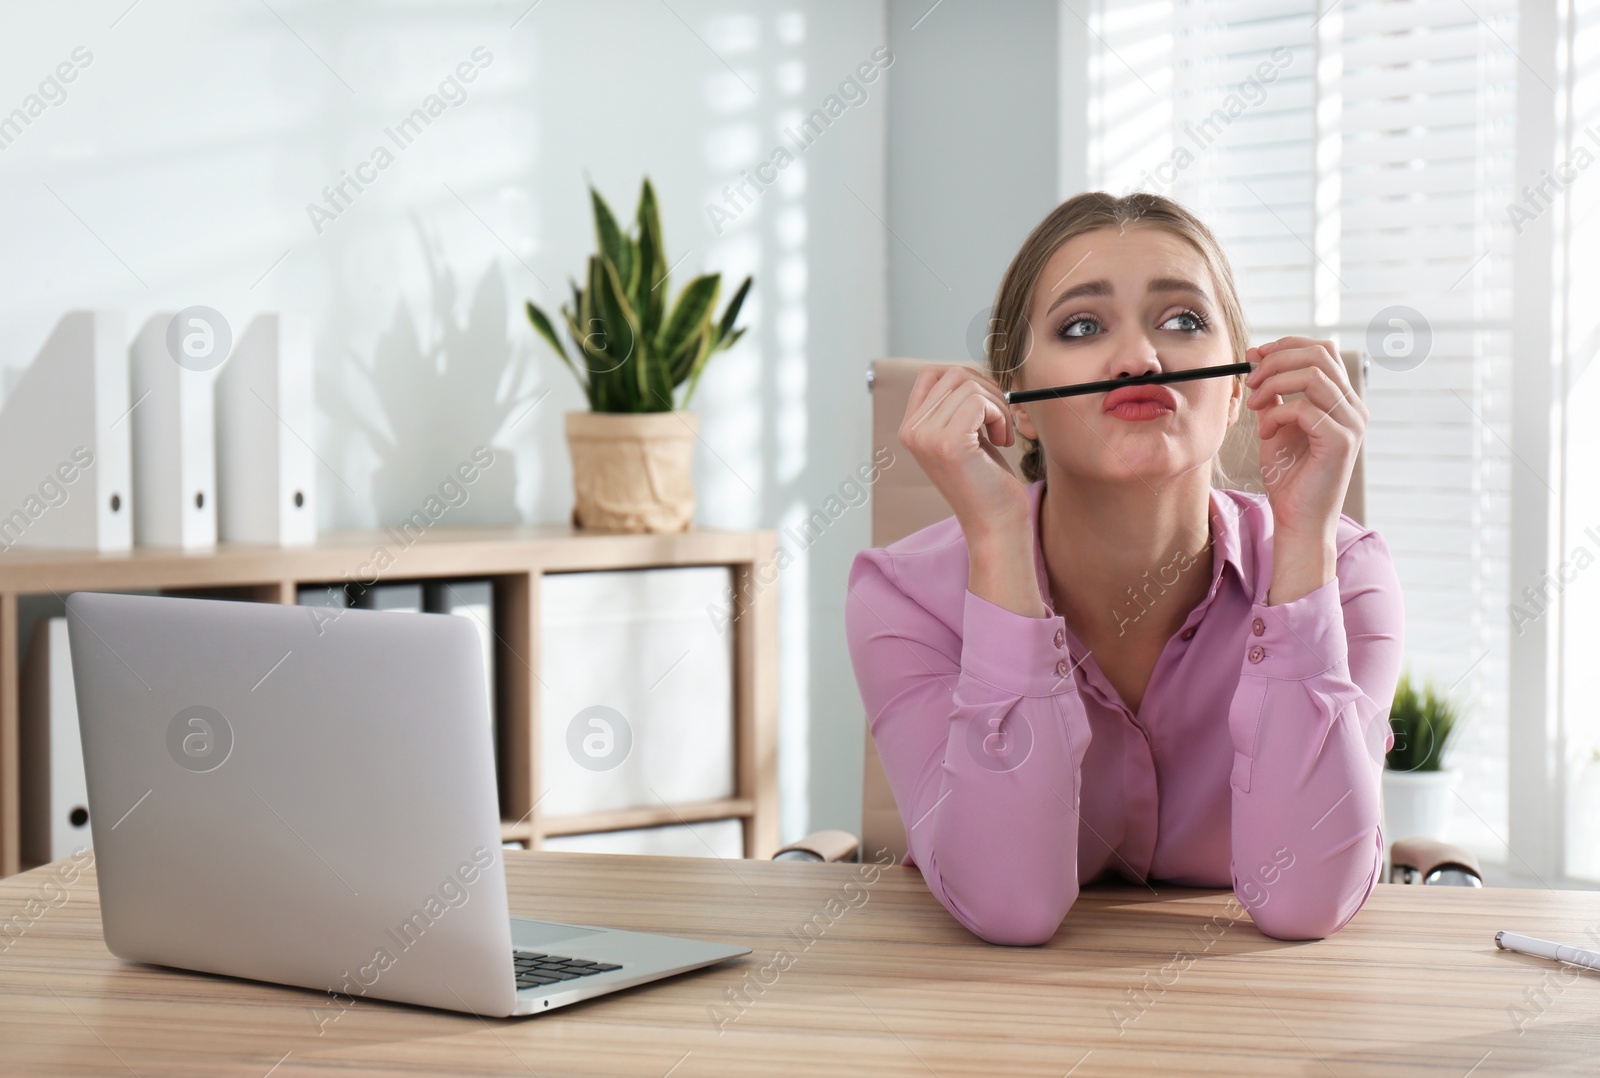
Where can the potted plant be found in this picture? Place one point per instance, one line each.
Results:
(633, 450)
(1416, 785)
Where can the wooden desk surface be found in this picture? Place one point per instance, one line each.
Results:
(1133, 983)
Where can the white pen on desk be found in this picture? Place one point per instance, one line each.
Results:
(1560, 952)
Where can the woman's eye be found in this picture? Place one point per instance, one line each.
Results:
(1196, 322)
(1070, 329)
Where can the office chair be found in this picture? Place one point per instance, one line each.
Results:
(905, 500)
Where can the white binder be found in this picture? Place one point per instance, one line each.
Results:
(266, 468)
(65, 444)
(55, 797)
(174, 455)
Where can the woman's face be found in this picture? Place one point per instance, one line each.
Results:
(1115, 303)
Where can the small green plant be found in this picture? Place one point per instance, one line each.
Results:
(1423, 724)
(635, 350)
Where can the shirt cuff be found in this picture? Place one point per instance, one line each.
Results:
(1019, 655)
(1299, 639)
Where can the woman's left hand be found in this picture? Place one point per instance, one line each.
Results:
(1309, 444)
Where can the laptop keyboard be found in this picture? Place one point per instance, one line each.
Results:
(535, 969)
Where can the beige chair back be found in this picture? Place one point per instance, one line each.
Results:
(904, 500)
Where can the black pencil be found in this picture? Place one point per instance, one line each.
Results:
(1025, 395)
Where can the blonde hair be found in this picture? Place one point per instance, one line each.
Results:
(1085, 213)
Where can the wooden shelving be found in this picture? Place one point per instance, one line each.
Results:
(515, 558)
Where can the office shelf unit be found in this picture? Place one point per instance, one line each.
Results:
(515, 558)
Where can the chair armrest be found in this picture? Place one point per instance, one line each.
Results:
(1420, 859)
(821, 846)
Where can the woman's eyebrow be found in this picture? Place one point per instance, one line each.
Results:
(1176, 284)
(1103, 288)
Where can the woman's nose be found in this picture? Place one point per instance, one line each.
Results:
(1135, 355)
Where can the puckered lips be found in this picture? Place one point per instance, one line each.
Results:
(1138, 403)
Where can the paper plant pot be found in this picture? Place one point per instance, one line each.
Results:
(632, 471)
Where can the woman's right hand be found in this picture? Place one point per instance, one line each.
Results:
(954, 420)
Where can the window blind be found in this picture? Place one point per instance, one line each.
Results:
(1578, 576)
(1352, 159)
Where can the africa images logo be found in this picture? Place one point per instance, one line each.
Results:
(199, 739)
(1001, 744)
(599, 738)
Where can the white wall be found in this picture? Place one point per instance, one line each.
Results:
(973, 161)
(178, 169)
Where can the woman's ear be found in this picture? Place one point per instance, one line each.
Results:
(1023, 423)
(1235, 401)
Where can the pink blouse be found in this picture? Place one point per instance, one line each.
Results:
(1253, 761)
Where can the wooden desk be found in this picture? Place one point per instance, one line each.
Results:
(891, 986)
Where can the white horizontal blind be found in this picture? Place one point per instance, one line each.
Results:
(1578, 579)
(1130, 78)
(1352, 157)
(1427, 134)
(1244, 93)
(1210, 102)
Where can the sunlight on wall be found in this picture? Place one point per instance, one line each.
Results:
(760, 397)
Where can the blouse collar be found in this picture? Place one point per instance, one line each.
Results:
(1225, 547)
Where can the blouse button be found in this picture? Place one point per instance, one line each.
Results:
(1258, 626)
(1187, 633)
(1062, 668)
(1256, 653)
(1061, 637)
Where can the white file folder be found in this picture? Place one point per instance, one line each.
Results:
(266, 468)
(65, 444)
(55, 797)
(174, 454)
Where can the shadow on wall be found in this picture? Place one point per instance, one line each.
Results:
(432, 395)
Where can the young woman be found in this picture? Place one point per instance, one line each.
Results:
(1110, 666)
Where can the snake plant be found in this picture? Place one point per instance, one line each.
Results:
(634, 348)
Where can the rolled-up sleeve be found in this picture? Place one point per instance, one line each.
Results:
(1309, 729)
(982, 736)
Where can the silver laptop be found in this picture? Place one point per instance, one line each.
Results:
(310, 800)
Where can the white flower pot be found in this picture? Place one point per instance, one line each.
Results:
(1417, 803)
